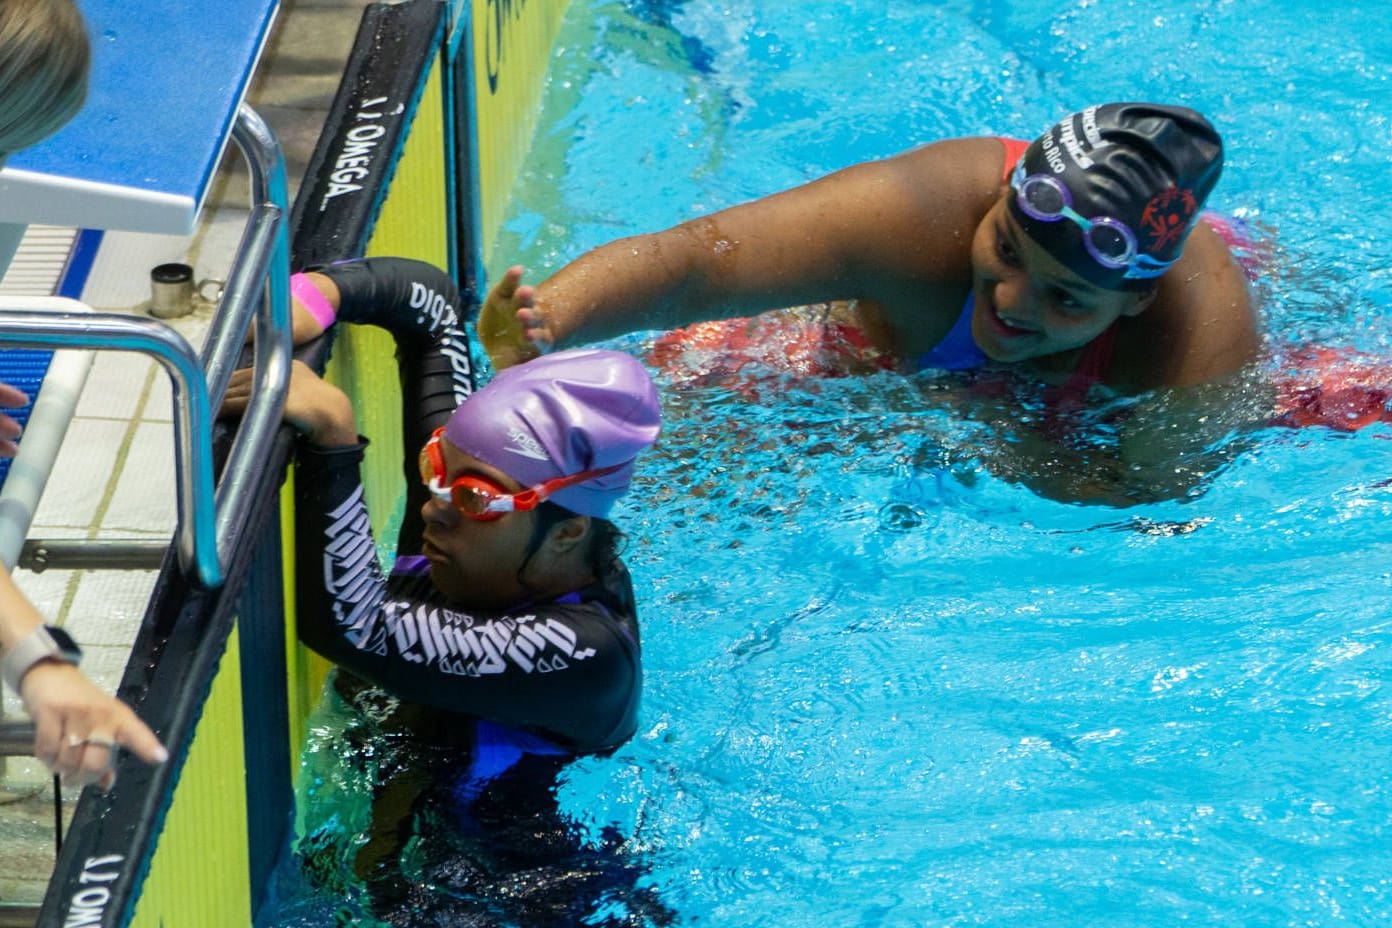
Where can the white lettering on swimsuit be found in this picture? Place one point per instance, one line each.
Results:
(352, 575)
(455, 643)
(438, 313)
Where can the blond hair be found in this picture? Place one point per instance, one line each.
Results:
(44, 61)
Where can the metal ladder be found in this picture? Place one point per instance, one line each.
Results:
(256, 299)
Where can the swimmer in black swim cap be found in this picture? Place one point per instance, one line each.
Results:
(1092, 216)
(1084, 256)
(1113, 191)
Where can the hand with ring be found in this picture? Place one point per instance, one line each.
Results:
(79, 728)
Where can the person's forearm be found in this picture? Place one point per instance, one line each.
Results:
(624, 286)
(18, 618)
(420, 305)
(660, 281)
(78, 726)
(335, 427)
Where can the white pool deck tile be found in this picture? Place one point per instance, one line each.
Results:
(80, 480)
(48, 591)
(115, 387)
(144, 498)
(106, 609)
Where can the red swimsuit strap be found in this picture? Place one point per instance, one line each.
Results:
(1095, 361)
(1014, 151)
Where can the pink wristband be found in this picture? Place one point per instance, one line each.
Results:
(310, 297)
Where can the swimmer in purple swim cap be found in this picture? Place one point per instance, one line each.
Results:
(506, 560)
(564, 431)
(505, 633)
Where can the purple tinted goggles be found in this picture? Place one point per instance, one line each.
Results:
(1109, 241)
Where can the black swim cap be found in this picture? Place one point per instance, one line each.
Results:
(1151, 167)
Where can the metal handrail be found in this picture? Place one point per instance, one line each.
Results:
(265, 254)
(17, 739)
(59, 322)
(209, 522)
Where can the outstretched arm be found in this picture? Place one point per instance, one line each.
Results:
(741, 261)
(874, 230)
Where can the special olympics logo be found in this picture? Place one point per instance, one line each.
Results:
(1167, 216)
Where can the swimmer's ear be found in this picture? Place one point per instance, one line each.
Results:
(1142, 303)
(567, 534)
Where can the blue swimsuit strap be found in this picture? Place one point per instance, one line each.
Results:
(957, 351)
(497, 748)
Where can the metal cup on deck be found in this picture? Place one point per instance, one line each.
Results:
(174, 293)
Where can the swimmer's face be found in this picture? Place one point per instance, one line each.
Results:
(476, 564)
(1028, 305)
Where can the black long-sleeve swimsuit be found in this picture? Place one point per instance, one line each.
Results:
(555, 677)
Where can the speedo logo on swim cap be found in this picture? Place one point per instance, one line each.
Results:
(525, 445)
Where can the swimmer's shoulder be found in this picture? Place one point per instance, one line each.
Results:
(969, 167)
(1202, 326)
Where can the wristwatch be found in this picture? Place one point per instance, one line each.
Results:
(47, 642)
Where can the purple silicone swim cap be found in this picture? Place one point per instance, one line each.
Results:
(561, 414)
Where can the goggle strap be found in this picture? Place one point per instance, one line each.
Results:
(520, 501)
(531, 497)
(1143, 266)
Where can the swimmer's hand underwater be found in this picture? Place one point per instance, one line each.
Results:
(512, 327)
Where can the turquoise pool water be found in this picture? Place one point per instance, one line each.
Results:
(887, 684)
(887, 687)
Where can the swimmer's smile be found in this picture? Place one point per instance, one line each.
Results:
(1004, 327)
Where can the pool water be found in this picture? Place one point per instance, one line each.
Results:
(888, 683)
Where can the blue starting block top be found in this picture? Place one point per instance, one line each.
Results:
(167, 80)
